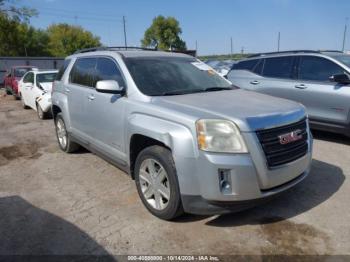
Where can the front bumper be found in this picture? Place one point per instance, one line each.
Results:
(45, 102)
(251, 181)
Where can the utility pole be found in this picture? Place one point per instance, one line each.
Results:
(231, 48)
(344, 36)
(242, 50)
(278, 41)
(125, 42)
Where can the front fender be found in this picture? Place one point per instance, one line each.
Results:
(60, 100)
(177, 137)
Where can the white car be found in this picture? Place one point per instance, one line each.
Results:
(35, 91)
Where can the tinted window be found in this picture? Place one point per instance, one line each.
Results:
(83, 72)
(45, 77)
(345, 59)
(29, 78)
(317, 68)
(279, 67)
(62, 70)
(246, 65)
(106, 69)
(157, 76)
(259, 67)
(19, 72)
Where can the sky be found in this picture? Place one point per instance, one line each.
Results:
(252, 24)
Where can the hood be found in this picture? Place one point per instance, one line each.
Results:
(47, 86)
(249, 110)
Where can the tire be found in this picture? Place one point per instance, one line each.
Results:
(152, 187)
(8, 92)
(41, 114)
(62, 135)
(23, 103)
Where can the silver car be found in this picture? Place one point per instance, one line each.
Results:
(318, 80)
(191, 141)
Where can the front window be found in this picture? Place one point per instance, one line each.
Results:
(156, 76)
(45, 78)
(19, 72)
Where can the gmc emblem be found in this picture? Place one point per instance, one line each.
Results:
(290, 137)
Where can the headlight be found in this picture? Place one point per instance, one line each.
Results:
(220, 136)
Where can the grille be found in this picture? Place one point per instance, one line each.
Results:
(279, 154)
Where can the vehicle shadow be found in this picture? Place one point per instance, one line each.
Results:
(324, 180)
(331, 137)
(26, 230)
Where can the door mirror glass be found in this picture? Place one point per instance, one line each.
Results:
(109, 86)
(340, 78)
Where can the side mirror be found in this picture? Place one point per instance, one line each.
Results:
(109, 86)
(340, 78)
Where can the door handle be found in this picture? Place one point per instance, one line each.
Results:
(255, 82)
(91, 97)
(301, 86)
(67, 90)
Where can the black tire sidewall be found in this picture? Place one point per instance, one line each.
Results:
(164, 157)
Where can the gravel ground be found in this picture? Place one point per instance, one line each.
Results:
(55, 203)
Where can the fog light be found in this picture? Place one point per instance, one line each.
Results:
(225, 181)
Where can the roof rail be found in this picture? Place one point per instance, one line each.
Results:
(284, 52)
(112, 48)
(331, 51)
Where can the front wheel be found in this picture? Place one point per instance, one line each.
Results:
(63, 138)
(157, 184)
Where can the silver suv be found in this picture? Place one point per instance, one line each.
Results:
(192, 142)
(318, 80)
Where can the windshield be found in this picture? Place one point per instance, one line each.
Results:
(345, 59)
(45, 78)
(19, 72)
(155, 76)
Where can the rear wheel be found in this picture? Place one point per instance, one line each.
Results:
(156, 182)
(23, 103)
(63, 138)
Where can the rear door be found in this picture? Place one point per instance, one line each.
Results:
(106, 111)
(325, 100)
(78, 88)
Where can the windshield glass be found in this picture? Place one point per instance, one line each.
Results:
(155, 76)
(345, 59)
(45, 78)
(19, 72)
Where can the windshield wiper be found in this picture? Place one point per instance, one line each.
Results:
(181, 92)
(216, 88)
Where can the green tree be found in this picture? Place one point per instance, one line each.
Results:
(65, 39)
(20, 39)
(164, 34)
(8, 9)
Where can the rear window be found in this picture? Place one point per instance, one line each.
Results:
(45, 77)
(62, 70)
(278, 67)
(19, 72)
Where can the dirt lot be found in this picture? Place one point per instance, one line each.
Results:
(55, 203)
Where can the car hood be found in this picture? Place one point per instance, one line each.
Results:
(249, 110)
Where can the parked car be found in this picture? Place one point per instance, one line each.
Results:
(13, 76)
(192, 142)
(318, 80)
(221, 67)
(35, 91)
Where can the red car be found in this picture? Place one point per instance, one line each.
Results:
(12, 78)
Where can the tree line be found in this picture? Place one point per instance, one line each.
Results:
(19, 38)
